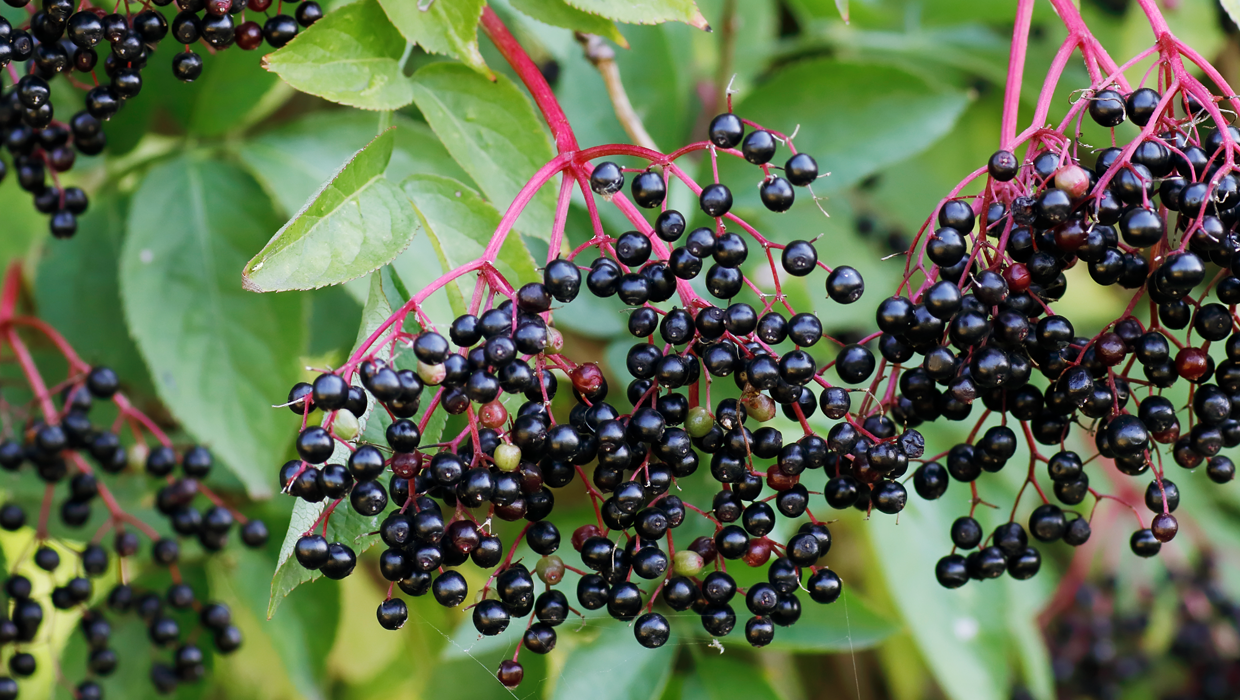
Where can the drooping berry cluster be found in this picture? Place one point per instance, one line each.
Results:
(510, 460)
(970, 323)
(67, 38)
(1152, 217)
(61, 445)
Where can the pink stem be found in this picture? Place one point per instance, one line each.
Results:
(1016, 71)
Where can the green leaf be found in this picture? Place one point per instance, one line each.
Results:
(294, 159)
(460, 224)
(78, 291)
(219, 356)
(23, 224)
(447, 28)
(846, 625)
(849, 624)
(358, 222)
(492, 131)
(351, 56)
(233, 93)
(345, 524)
(970, 637)
(303, 636)
(613, 666)
(559, 13)
(645, 11)
(854, 118)
(724, 676)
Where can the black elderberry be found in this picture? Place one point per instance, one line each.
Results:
(1106, 107)
(648, 189)
(278, 30)
(186, 66)
(801, 170)
(957, 215)
(254, 534)
(1141, 105)
(776, 194)
(308, 13)
(606, 179)
(854, 364)
(715, 200)
(314, 444)
(1144, 544)
(1003, 166)
(799, 258)
(726, 130)
(966, 533)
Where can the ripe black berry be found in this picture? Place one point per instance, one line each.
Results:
(606, 179)
(726, 130)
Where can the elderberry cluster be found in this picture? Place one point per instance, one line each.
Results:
(1155, 217)
(66, 38)
(58, 450)
(511, 467)
(1100, 642)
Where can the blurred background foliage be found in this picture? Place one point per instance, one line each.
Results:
(898, 105)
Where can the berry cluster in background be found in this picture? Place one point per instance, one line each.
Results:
(970, 334)
(48, 429)
(70, 40)
(1104, 639)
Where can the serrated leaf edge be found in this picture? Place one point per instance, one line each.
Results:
(248, 283)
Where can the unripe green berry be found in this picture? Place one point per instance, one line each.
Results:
(550, 569)
(760, 407)
(431, 375)
(507, 457)
(699, 421)
(345, 425)
(137, 456)
(687, 563)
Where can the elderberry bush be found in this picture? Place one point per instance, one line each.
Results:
(63, 38)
